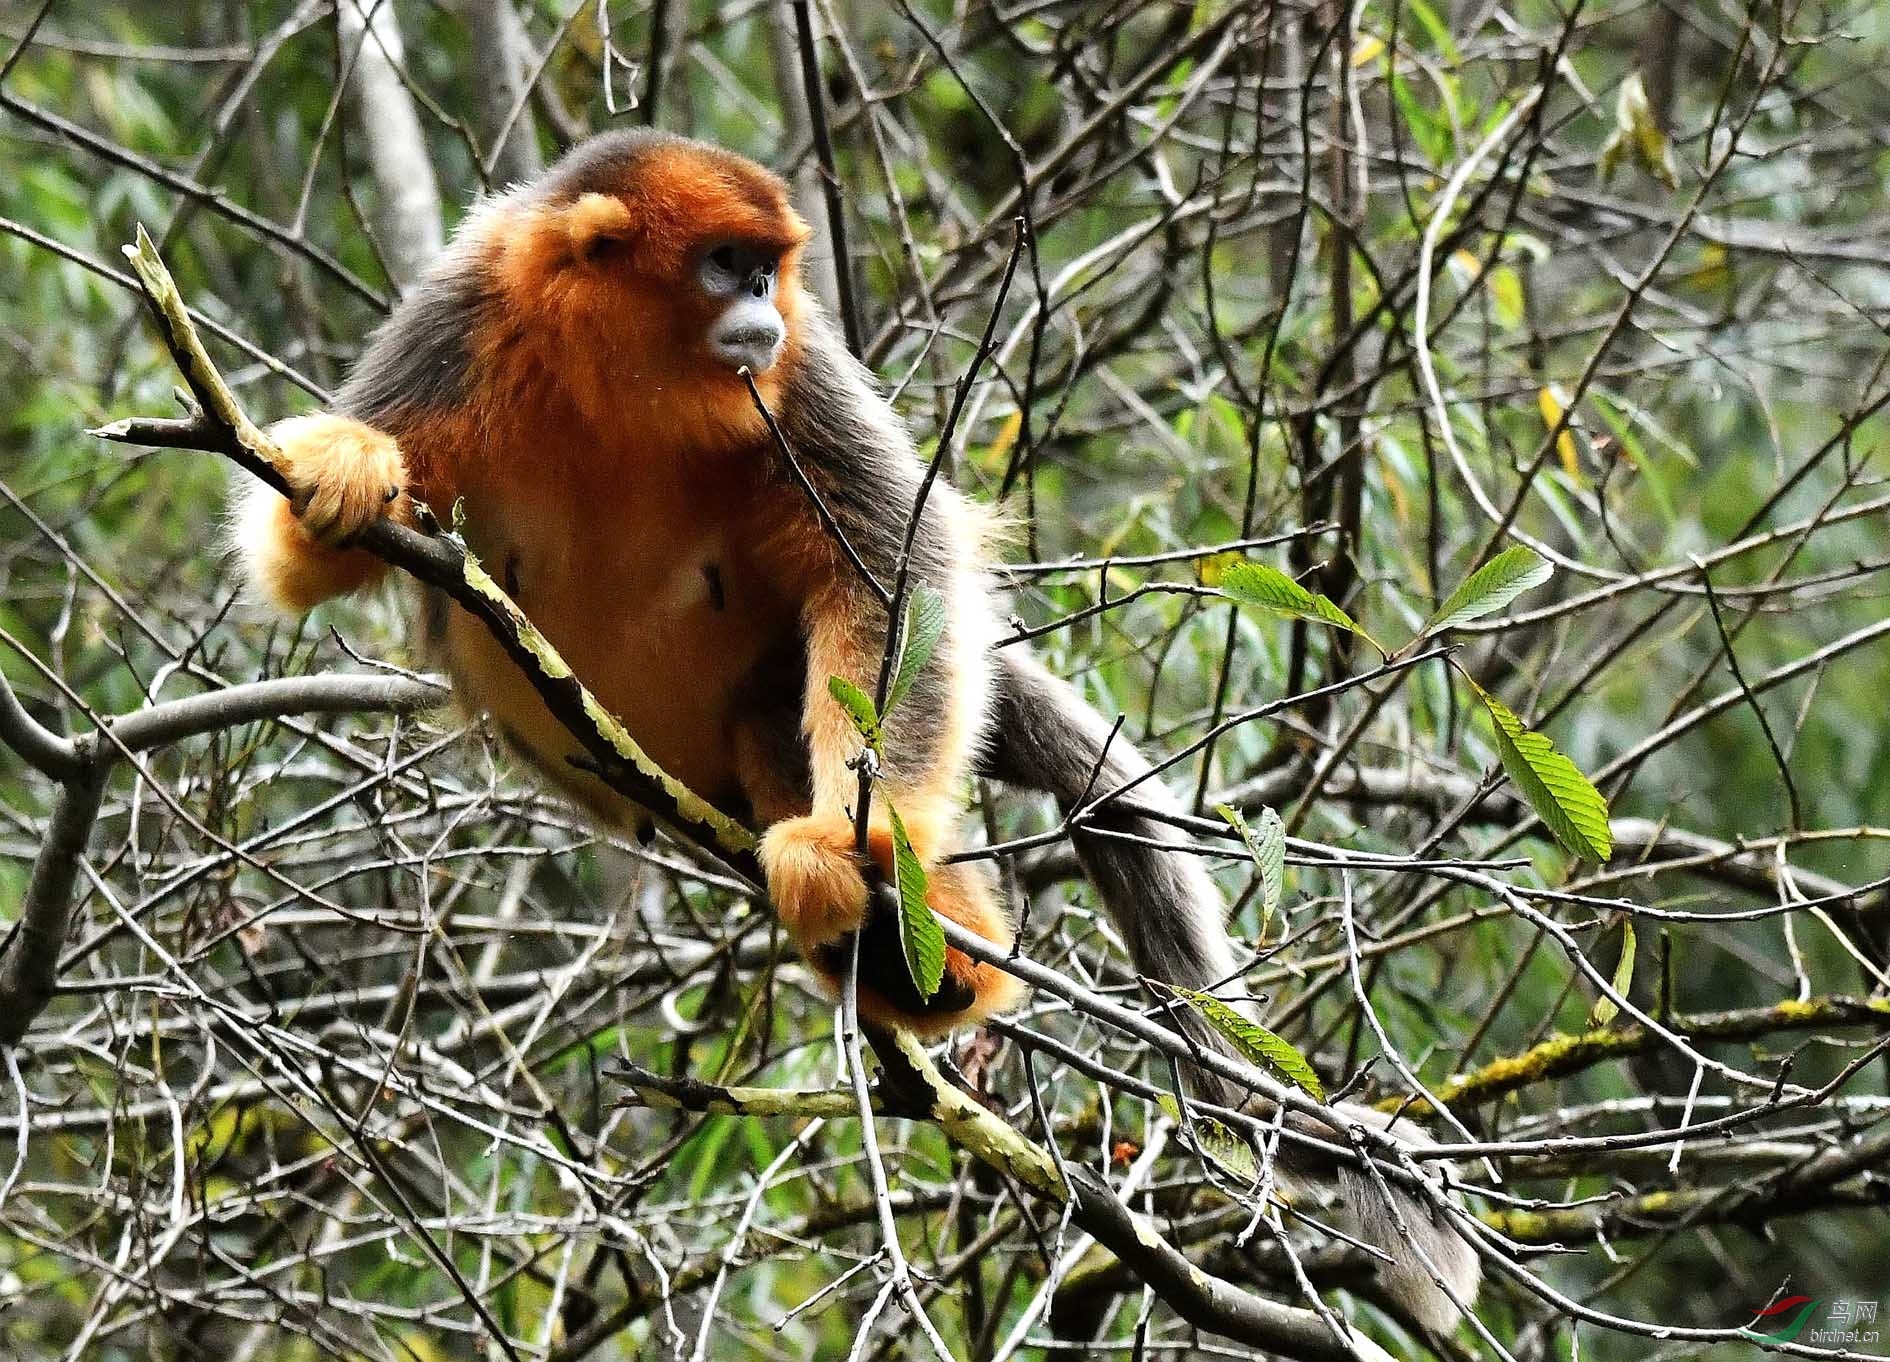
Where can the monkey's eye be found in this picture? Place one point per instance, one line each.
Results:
(732, 268)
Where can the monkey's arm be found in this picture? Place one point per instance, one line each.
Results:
(344, 475)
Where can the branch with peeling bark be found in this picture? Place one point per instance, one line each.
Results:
(914, 1089)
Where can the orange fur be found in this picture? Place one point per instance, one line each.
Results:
(814, 878)
(611, 474)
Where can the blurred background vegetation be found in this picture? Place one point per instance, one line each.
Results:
(1655, 306)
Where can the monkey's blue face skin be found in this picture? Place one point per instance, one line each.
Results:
(748, 332)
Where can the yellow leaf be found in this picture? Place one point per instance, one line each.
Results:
(1209, 570)
(1506, 291)
(1711, 271)
(1365, 50)
(1639, 132)
(1553, 403)
(1006, 436)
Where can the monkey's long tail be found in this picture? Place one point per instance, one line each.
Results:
(1044, 737)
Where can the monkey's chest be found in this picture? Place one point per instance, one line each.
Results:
(671, 622)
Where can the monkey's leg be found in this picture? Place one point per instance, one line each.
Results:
(814, 869)
(342, 475)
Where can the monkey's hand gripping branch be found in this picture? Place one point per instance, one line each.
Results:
(218, 425)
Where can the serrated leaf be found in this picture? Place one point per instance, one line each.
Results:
(1218, 1143)
(1606, 1009)
(1563, 798)
(1253, 1041)
(920, 936)
(924, 626)
(1210, 570)
(1491, 587)
(1267, 846)
(1256, 584)
(859, 707)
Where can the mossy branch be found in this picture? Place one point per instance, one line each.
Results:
(1565, 1054)
(913, 1088)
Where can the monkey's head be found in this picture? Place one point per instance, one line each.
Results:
(663, 266)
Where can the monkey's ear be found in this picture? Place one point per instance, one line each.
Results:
(598, 223)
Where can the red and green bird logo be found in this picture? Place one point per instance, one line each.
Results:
(1780, 1308)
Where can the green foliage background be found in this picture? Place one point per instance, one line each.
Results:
(1741, 393)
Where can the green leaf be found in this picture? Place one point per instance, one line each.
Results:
(1606, 1009)
(1561, 795)
(920, 936)
(1267, 846)
(859, 707)
(1491, 587)
(1252, 1040)
(1268, 588)
(924, 625)
(1215, 1141)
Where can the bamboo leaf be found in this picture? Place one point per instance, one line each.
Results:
(1563, 798)
(920, 936)
(1491, 587)
(859, 707)
(1267, 846)
(1216, 1142)
(1253, 1041)
(1256, 584)
(1606, 1009)
(1552, 402)
(924, 626)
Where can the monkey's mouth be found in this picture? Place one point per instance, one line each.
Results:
(752, 345)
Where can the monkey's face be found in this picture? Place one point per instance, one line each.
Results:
(655, 270)
(740, 280)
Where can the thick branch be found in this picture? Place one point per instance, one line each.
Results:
(29, 958)
(32, 951)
